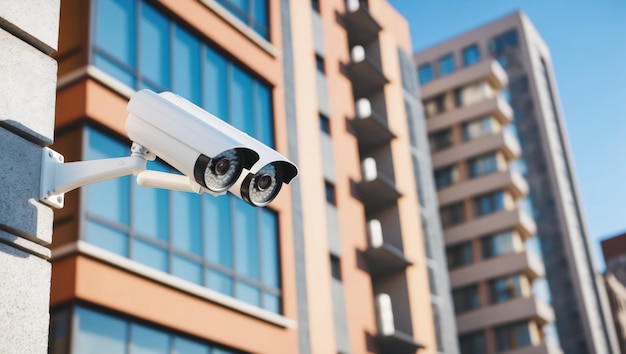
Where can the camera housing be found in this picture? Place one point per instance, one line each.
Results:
(214, 155)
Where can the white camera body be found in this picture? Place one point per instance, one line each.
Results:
(214, 155)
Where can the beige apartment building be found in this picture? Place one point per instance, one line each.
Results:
(505, 187)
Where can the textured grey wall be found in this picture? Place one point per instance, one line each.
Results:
(28, 34)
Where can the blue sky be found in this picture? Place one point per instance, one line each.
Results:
(587, 41)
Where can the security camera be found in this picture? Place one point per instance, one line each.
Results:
(213, 154)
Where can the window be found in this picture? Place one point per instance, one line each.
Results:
(142, 48)
(471, 94)
(482, 165)
(446, 65)
(446, 176)
(452, 214)
(465, 299)
(488, 203)
(324, 124)
(335, 267)
(435, 106)
(329, 190)
(315, 5)
(425, 73)
(477, 128)
(498, 244)
(459, 255)
(440, 140)
(473, 343)
(503, 41)
(98, 333)
(471, 55)
(252, 13)
(504, 289)
(511, 336)
(221, 243)
(319, 63)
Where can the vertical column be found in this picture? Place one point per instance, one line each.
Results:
(28, 34)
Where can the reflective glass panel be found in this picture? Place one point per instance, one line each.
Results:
(154, 46)
(150, 255)
(107, 238)
(215, 84)
(186, 65)
(269, 247)
(96, 333)
(246, 240)
(186, 346)
(218, 237)
(248, 293)
(186, 227)
(187, 269)
(240, 101)
(144, 340)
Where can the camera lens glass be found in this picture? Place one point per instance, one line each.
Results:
(222, 166)
(263, 187)
(222, 171)
(264, 182)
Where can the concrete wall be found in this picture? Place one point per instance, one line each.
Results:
(28, 33)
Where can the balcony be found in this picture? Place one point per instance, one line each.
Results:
(487, 70)
(382, 257)
(362, 27)
(389, 338)
(500, 180)
(496, 107)
(365, 73)
(519, 309)
(502, 220)
(375, 190)
(542, 348)
(369, 126)
(500, 141)
(511, 263)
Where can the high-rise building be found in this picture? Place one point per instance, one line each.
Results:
(466, 83)
(347, 259)
(614, 252)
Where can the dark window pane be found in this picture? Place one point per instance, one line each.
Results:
(465, 299)
(471, 55)
(435, 106)
(58, 338)
(488, 203)
(440, 140)
(319, 64)
(335, 267)
(329, 190)
(495, 245)
(452, 214)
(324, 124)
(446, 65)
(315, 5)
(504, 289)
(472, 343)
(503, 41)
(459, 255)
(446, 176)
(482, 165)
(511, 336)
(96, 333)
(425, 73)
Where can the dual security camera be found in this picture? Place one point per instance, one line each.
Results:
(213, 156)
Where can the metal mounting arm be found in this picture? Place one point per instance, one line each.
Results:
(57, 177)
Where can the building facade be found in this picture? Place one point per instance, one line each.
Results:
(482, 197)
(338, 263)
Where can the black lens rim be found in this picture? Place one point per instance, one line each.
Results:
(249, 183)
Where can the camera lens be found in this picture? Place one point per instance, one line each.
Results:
(264, 182)
(222, 166)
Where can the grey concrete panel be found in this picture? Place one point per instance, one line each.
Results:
(332, 227)
(28, 88)
(35, 21)
(20, 211)
(328, 162)
(25, 294)
(342, 337)
(318, 34)
(322, 94)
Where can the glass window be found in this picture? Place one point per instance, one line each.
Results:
(214, 242)
(459, 255)
(446, 176)
(511, 336)
(465, 299)
(315, 5)
(482, 165)
(425, 73)
(440, 140)
(488, 203)
(495, 245)
(471, 55)
(319, 63)
(324, 124)
(504, 289)
(477, 128)
(329, 190)
(503, 41)
(253, 13)
(167, 57)
(452, 214)
(473, 93)
(473, 343)
(96, 332)
(335, 269)
(446, 65)
(435, 106)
